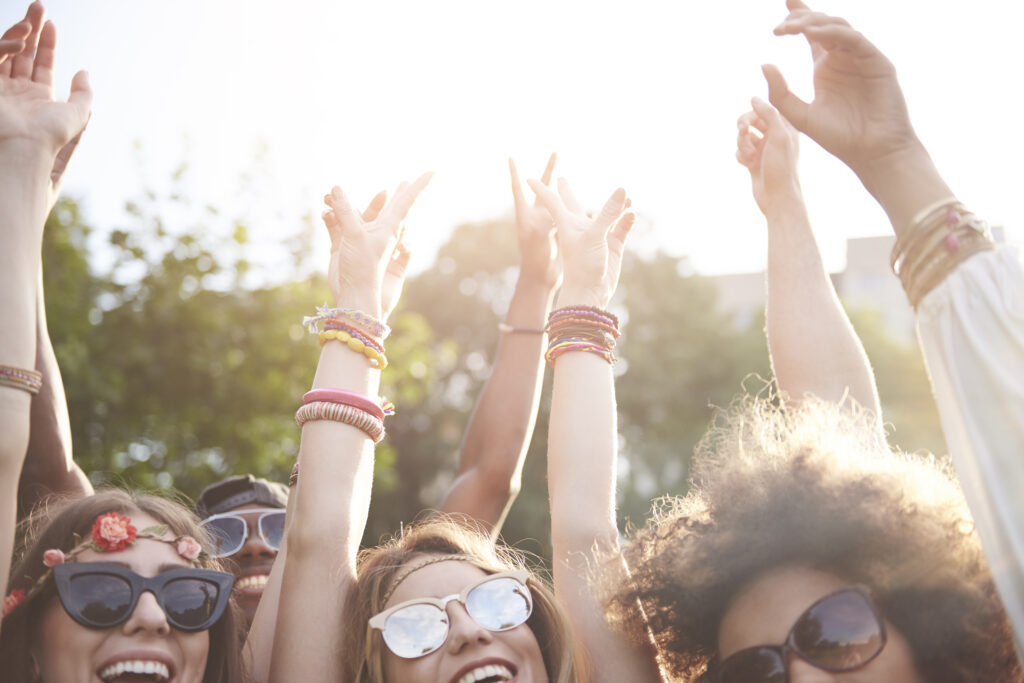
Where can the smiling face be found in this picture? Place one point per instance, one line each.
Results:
(252, 563)
(471, 653)
(144, 646)
(765, 610)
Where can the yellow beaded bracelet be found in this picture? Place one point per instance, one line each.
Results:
(377, 358)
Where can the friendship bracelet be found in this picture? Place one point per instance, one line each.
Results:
(348, 398)
(576, 345)
(19, 378)
(337, 412)
(377, 359)
(363, 321)
(293, 478)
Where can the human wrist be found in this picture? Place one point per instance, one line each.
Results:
(903, 182)
(575, 295)
(783, 202)
(366, 301)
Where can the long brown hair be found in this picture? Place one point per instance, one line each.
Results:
(58, 525)
(378, 568)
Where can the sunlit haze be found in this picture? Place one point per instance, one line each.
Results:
(644, 95)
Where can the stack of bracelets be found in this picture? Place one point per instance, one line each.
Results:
(360, 332)
(581, 328)
(938, 239)
(18, 378)
(349, 407)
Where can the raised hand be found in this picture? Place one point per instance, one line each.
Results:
(591, 248)
(770, 154)
(538, 247)
(368, 257)
(858, 112)
(29, 115)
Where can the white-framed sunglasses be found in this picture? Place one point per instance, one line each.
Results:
(230, 530)
(414, 628)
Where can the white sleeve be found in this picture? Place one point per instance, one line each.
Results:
(971, 329)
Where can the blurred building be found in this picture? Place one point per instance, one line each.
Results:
(867, 282)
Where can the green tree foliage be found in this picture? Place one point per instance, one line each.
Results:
(179, 372)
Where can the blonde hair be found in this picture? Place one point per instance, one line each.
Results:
(380, 569)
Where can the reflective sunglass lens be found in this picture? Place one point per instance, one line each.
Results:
(190, 603)
(101, 600)
(499, 604)
(756, 665)
(839, 633)
(272, 528)
(228, 535)
(416, 630)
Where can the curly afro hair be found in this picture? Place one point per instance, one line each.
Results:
(814, 487)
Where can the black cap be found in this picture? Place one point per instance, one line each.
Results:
(232, 492)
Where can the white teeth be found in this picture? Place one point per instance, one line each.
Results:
(137, 666)
(258, 581)
(496, 672)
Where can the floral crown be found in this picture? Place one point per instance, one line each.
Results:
(111, 532)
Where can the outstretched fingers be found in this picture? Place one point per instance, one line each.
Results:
(405, 196)
(23, 63)
(545, 177)
(347, 217)
(46, 55)
(568, 198)
(375, 205)
(12, 42)
(612, 210)
(551, 201)
(517, 188)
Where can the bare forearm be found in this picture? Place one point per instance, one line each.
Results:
(813, 347)
(49, 465)
(327, 518)
(499, 432)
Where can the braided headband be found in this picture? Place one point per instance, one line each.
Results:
(404, 574)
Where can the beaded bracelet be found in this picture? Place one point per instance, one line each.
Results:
(348, 398)
(19, 378)
(355, 333)
(337, 412)
(377, 359)
(587, 312)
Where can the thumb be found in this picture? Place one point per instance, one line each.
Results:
(788, 104)
(81, 95)
(766, 112)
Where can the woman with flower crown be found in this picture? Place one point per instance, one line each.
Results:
(113, 584)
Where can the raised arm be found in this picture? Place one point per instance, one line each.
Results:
(813, 347)
(968, 296)
(499, 432)
(332, 495)
(33, 129)
(582, 433)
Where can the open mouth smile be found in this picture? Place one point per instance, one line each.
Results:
(136, 670)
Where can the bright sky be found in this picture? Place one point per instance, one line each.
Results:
(643, 95)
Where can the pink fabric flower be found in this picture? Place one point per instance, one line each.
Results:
(53, 557)
(12, 600)
(189, 547)
(113, 532)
